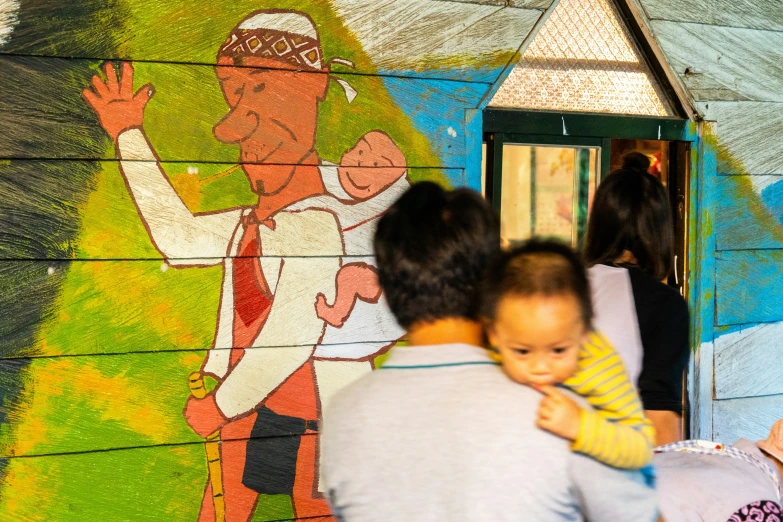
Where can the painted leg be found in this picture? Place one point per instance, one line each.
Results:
(297, 397)
(240, 500)
(207, 513)
(306, 500)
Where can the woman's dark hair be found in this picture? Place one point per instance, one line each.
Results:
(631, 212)
(538, 267)
(432, 249)
(636, 161)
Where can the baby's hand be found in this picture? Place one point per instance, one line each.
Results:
(558, 414)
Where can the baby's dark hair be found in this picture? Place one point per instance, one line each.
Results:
(538, 267)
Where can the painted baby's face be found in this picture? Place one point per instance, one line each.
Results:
(539, 337)
(371, 166)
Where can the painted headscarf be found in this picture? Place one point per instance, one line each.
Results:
(289, 37)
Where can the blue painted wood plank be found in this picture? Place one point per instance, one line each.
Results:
(701, 273)
(749, 418)
(749, 212)
(746, 361)
(749, 286)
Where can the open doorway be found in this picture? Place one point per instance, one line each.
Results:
(669, 163)
(541, 181)
(587, 89)
(542, 168)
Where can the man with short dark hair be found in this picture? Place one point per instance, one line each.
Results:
(439, 433)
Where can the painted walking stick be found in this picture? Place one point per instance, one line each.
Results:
(212, 447)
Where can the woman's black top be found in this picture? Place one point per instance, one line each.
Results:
(662, 323)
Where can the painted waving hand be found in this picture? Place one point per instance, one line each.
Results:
(114, 101)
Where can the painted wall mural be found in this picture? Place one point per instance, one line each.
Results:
(187, 199)
(280, 258)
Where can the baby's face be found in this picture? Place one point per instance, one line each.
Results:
(372, 165)
(538, 337)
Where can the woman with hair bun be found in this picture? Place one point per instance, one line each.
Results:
(630, 249)
(636, 161)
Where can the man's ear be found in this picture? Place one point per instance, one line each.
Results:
(489, 329)
(224, 68)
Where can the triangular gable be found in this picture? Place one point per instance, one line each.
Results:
(585, 59)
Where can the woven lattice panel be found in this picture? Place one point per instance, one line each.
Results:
(583, 59)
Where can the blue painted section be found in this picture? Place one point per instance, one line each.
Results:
(701, 279)
(746, 220)
(748, 286)
(473, 139)
(498, 80)
(703, 192)
(772, 197)
(437, 110)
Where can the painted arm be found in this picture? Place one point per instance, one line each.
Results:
(179, 235)
(292, 329)
(354, 281)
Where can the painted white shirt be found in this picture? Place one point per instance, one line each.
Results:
(302, 256)
(301, 260)
(371, 323)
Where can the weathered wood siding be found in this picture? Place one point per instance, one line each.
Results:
(111, 292)
(727, 55)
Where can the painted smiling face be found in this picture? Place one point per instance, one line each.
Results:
(373, 164)
(273, 117)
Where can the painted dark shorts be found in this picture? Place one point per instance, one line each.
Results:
(762, 511)
(270, 467)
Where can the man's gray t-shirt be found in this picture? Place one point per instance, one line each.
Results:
(439, 433)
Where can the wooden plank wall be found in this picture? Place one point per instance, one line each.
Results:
(727, 54)
(110, 297)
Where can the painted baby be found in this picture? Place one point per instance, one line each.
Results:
(369, 178)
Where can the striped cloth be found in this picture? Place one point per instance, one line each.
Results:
(704, 447)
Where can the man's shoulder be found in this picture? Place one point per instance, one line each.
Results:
(351, 410)
(483, 388)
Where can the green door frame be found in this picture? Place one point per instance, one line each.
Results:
(550, 123)
(570, 129)
(597, 130)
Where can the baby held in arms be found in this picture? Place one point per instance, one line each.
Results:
(537, 311)
(370, 177)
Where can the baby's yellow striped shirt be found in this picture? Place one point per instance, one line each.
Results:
(617, 432)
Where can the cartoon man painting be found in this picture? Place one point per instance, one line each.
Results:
(297, 267)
